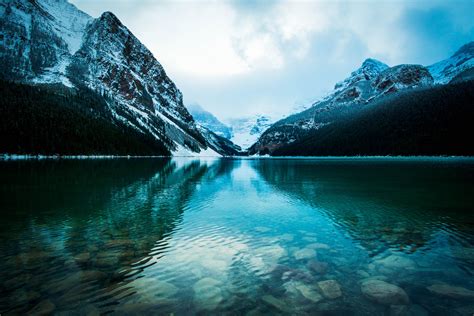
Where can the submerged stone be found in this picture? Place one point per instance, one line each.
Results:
(164, 288)
(384, 293)
(317, 245)
(305, 253)
(286, 237)
(207, 294)
(450, 291)
(309, 292)
(330, 289)
(398, 310)
(276, 303)
(317, 266)
(396, 262)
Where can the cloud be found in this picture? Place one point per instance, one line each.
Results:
(237, 57)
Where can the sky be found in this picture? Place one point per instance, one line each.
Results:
(238, 58)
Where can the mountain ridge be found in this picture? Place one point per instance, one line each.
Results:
(371, 81)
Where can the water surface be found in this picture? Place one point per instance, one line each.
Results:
(222, 236)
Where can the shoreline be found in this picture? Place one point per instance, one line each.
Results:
(9, 157)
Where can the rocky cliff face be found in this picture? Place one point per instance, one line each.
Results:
(51, 41)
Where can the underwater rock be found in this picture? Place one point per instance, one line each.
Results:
(317, 245)
(215, 265)
(262, 229)
(450, 291)
(286, 237)
(363, 273)
(272, 253)
(305, 253)
(384, 293)
(164, 289)
(330, 288)
(396, 262)
(307, 291)
(276, 303)
(207, 294)
(417, 310)
(317, 266)
(398, 310)
(298, 275)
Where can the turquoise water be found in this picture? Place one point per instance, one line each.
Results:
(220, 236)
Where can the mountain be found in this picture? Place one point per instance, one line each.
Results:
(246, 130)
(461, 62)
(373, 83)
(52, 42)
(430, 121)
(220, 144)
(209, 121)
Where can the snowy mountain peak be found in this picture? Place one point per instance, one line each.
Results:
(369, 69)
(371, 63)
(466, 49)
(111, 18)
(447, 70)
(51, 41)
(68, 22)
(246, 131)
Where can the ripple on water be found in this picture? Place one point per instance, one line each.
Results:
(227, 237)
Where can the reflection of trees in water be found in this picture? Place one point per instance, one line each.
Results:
(79, 222)
(396, 204)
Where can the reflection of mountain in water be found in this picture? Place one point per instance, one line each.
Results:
(91, 226)
(380, 203)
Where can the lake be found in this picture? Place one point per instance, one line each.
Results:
(377, 236)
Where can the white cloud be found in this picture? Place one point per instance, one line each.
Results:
(244, 56)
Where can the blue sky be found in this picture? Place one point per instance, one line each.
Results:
(237, 58)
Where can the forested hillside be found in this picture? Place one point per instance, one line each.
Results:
(431, 121)
(57, 120)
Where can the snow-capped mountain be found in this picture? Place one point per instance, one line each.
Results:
(51, 41)
(446, 70)
(209, 121)
(371, 81)
(246, 131)
(218, 143)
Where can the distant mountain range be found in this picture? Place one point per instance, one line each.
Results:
(379, 103)
(243, 132)
(50, 43)
(208, 120)
(72, 84)
(247, 130)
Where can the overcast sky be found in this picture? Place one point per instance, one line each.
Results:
(237, 58)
